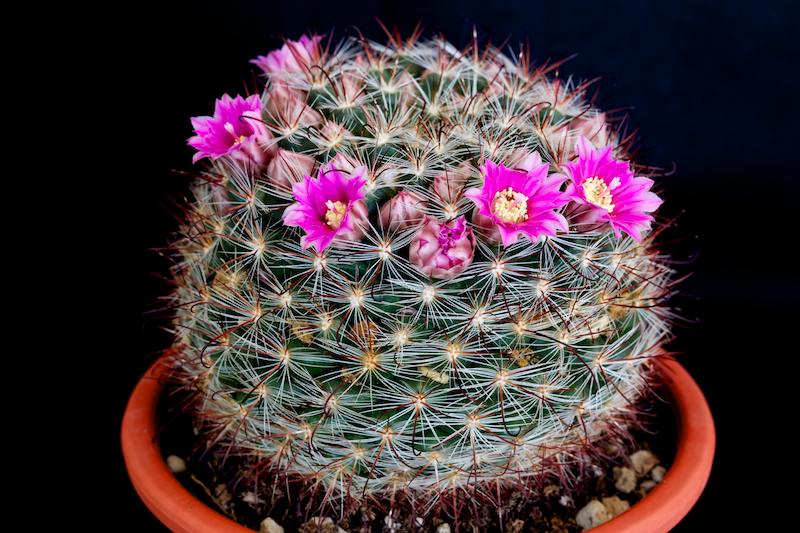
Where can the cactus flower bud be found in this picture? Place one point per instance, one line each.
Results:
(342, 163)
(449, 185)
(485, 226)
(289, 167)
(442, 250)
(595, 129)
(289, 105)
(403, 211)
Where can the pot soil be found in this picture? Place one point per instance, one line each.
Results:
(195, 500)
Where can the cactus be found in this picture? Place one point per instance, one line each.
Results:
(409, 269)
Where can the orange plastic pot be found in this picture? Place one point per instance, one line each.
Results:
(658, 512)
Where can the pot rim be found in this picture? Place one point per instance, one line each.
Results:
(658, 512)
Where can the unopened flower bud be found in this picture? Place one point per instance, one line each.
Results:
(442, 250)
(485, 226)
(403, 211)
(449, 185)
(289, 167)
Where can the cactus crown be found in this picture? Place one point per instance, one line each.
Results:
(409, 268)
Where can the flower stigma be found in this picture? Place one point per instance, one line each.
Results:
(236, 140)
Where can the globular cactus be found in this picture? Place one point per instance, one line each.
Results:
(415, 270)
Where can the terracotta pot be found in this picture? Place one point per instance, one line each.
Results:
(658, 512)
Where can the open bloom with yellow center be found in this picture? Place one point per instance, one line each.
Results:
(519, 202)
(330, 208)
(610, 191)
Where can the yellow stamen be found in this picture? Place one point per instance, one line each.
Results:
(510, 206)
(335, 214)
(598, 193)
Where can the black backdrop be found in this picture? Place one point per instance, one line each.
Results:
(713, 87)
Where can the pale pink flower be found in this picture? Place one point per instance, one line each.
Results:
(403, 211)
(329, 208)
(442, 250)
(236, 130)
(292, 57)
(611, 192)
(288, 167)
(521, 203)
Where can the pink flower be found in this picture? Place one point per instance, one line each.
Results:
(330, 208)
(235, 130)
(289, 167)
(610, 191)
(521, 203)
(293, 56)
(403, 211)
(442, 251)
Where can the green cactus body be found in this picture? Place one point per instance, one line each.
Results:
(351, 369)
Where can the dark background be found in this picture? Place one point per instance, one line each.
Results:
(713, 86)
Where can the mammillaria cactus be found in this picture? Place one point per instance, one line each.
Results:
(413, 271)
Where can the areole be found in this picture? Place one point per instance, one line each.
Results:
(658, 512)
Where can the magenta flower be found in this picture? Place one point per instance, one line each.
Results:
(329, 208)
(442, 251)
(293, 56)
(610, 191)
(235, 130)
(519, 202)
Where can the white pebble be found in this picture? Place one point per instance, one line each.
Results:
(616, 506)
(647, 485)
(443, 528)
(268, 525)
(643, 461)
(624, 479)
(326, 525)
(176, 464)
(658, 473)
(594, 514)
